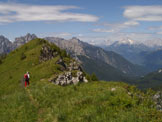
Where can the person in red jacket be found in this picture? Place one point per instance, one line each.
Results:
(26, 77)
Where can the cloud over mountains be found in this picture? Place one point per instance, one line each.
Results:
(21, 12)
(143, 13)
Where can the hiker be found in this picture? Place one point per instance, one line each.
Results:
(26, 77)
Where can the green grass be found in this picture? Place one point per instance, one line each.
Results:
(45, 102)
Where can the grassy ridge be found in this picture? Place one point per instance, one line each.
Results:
(46, 102)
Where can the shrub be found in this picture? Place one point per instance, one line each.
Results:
(88, 77)
(1, 61)
(40, 41)
(10, 77)
(2, 57)
(23, 56)
(74, 73)
(54, 48)
(26, 48)
(58, 67)
(63, 53)
(94, 77)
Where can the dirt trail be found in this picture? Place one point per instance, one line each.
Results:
(35, 103)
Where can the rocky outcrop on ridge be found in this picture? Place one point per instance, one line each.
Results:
(47, 53)
(72, 72)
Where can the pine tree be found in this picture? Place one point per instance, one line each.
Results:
(94, 77)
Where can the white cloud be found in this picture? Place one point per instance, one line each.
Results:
(80, 35)
(63, 34)
(116, 27)
(155, 28)
(103, 30)
(125, 24)
(143, 13)
(130, 23)
(160, 33)
(111, 38)
(56, 34)
(22, 12)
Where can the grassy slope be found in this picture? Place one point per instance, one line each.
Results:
(43, 101)
(151, 80)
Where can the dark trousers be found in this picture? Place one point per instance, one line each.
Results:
(27, 83)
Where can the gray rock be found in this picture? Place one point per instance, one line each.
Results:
(85, 80)
(157, 98)
(67, 78)
(74, 66)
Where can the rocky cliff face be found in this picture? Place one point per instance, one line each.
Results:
(23, 39)
(5, 45)
(74, 46)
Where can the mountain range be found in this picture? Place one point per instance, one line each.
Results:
(7, 46)
(107, 65)
(141, 54)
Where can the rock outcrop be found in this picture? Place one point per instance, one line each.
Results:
(47, 53)
(73, 74)
(72, 71)
(74, 66)
(68, 78)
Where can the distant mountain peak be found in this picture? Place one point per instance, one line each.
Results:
(1, 36)
(23, 39)
(26, 38)
(131, 41)
(75, 39)
(5, 45)
(126, 41)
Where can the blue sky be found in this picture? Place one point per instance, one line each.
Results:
(90, 20)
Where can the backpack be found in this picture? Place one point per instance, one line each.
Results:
(26, 77)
